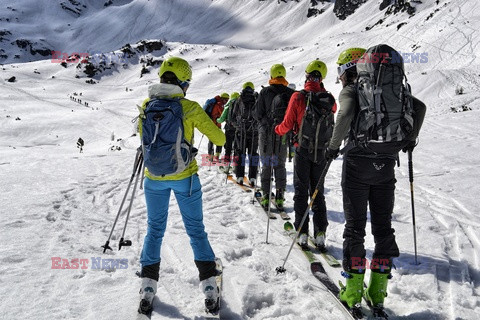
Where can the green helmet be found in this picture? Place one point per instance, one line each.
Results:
(350, 55)
(225, 95)
(278, 70)
(234, 95)
(317, 65)
(177, 66)
(248, 85)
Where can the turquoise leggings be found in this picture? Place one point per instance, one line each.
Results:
(157, 195)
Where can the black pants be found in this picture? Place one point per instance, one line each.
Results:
(305, 177)
(230, 137)
(218, 149)
(246, 151)
(273, 152)
(367, 181)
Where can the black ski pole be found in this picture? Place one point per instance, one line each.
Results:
(410, 176)
(138, 160)
(270, 186)
(123, 242)
(321, 180)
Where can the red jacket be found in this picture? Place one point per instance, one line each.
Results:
(296, 109)
(217, 110)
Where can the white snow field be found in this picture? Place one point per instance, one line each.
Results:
(58, 203)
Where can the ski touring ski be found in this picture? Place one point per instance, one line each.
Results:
(329, 258)
(244, 187)
(258, 196)
(280, 211)
(209, 315)
(319, 272)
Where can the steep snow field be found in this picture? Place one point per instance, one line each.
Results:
(59, 203)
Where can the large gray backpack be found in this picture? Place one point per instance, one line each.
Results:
(384, 121)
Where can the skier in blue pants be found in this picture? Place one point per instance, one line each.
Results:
(175, 75)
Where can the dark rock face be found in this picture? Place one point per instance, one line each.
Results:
(344, 8)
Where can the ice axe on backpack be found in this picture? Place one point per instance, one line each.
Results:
(138, 164)
(321, 180)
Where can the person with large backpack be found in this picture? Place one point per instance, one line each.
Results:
(229, 128)
(246, 136)
(310, 116)
(381, 117)
(270, 109)
(214, 108)
(167, 126)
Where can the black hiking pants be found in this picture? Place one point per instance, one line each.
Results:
(306, 174)
(230, 137)
(246, 153)
(218, 149)
(273, 152)
(368, 181)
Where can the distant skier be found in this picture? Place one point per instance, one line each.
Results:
(229, 128)
(214, 108)
(246, 135)
(269, 111)
(80, 144)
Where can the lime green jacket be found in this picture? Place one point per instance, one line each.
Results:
(193, 117)
(224, 115)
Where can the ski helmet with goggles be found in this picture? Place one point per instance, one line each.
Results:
(277, 70)
(316, 68)
(248, 85)
(348, 59)
(177, 66)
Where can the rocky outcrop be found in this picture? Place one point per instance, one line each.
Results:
(344, 8)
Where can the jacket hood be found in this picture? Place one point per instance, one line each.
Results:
(162, 90)
(313, 86)
(279, 80)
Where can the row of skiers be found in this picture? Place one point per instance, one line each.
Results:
(261, 133)
(378, 115)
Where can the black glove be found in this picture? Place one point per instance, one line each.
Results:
(330, 154)
(410, 146)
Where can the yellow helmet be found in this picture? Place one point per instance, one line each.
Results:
(177, 66)
(248, 84)
(278, 70)
(225, 95)
(234, 95)
(317, 66)
(348, 59)
(350, 55)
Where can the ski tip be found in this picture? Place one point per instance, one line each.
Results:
(288, 226)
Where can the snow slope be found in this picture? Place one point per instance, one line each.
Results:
(57, 202)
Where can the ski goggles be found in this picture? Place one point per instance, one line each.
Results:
(184, 84)
(344, 67)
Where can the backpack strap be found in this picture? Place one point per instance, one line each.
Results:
(307, 102)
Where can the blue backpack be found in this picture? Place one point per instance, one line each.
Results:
(165, 150)
(208, 106)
